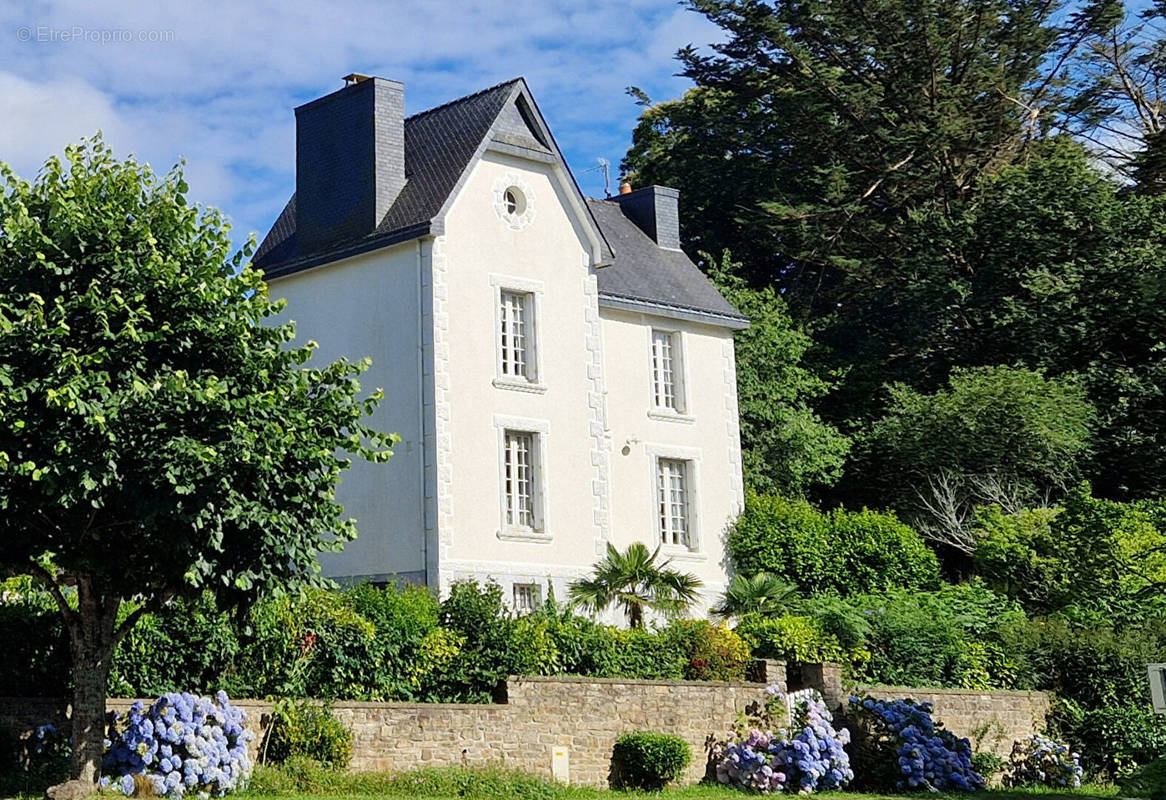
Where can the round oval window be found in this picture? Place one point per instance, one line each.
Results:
(515, 202)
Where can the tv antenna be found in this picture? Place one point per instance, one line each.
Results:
(604, 166)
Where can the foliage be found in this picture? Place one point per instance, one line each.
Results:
(759, 593)
(183, 645)
(988, 765)
(804, 755)
(954, 637)
(307, 730)
(181, 743)
(789, 638)
(805, 142)
(1113, 740)
(405, 621)
(648, 761)
(1023, 430)
(1041, 761)
(785, 447)
(1147, 781)
(710, 652)
(160, 438)
(36, 661)
(838, 552)
(907, 750)
(635, 581)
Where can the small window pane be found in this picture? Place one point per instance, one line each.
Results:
(519, 477)
(514, 335)
(526, 597)
(672, 500)
(665, 371)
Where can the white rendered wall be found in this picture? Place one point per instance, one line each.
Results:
(482, 253)
(707, 433)
(369, 305)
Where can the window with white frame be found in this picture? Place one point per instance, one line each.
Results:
(520, 475)
(673, 500)
(526, 597)
(667, 376)
(516, 335)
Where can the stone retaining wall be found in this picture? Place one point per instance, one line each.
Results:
(566, 727)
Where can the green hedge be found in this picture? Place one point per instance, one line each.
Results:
(838, 552)
(363, 643)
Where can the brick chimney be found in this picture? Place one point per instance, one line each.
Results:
(350, 161)
(656, 210)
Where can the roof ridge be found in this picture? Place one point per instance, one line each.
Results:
(470, 96)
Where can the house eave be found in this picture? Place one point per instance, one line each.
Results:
(672, 312)
(283, 269)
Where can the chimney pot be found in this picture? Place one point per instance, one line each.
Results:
(625, 187)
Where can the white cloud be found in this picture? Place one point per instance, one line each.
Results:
(220, 88)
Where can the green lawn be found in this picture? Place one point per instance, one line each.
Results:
(716, 793)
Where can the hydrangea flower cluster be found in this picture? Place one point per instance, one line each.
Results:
(929, 757)
(803, 758)
(1041, 761)
(182, 743)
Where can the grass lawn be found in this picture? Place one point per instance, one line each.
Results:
(489, 784)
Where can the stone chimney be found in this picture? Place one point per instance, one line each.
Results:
(350, 161)
(656, 210)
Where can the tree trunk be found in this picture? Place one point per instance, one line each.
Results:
(92, 642)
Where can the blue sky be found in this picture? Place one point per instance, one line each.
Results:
(215, 81)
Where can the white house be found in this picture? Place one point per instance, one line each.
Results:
(561, 374)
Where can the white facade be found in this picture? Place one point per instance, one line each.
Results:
(572, 413)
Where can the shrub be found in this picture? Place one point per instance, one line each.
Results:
(988, 765)
(36, 647)
(1113, 740)
(1147, 781)
(403, 620)
(805, 756)
(710, 652)
(307, 730)
(903, 748)
(838, 552)
(648, 761)
(188, 645)
(1040, 761)
(789, 638)
(181, 743)
(953, 637)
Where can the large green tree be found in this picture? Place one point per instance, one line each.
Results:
(816, 127)
(160, 435)
(785, 446)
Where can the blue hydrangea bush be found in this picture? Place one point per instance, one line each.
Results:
(800, 756)
(182, 743)
(926, 756)
(1041, 761)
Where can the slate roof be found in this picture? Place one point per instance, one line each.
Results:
(439, 145)
(643, 272)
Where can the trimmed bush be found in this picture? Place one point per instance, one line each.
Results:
(837, 552)
(307, 730)
(710, 652)
(789, 638)
(648, 761)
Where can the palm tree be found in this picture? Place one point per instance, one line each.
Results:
(762, 593)
(635, 581)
